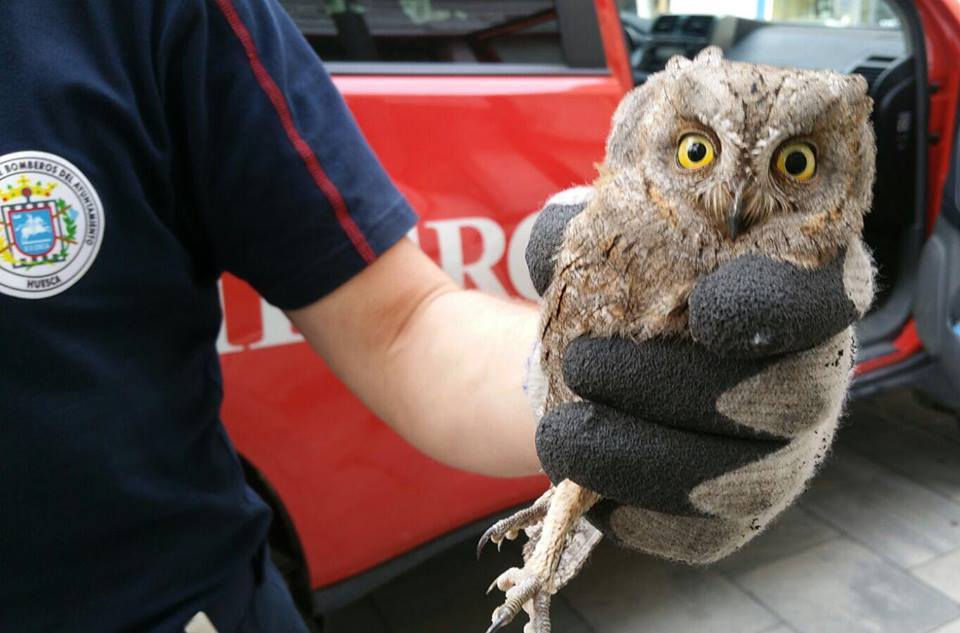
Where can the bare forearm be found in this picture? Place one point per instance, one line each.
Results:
(462, 400)
(443, 366)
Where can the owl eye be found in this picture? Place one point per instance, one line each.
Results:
(695, 151)
(797, 161)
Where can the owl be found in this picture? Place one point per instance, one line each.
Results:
(727, 191)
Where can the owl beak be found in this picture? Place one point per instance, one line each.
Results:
(735, 216)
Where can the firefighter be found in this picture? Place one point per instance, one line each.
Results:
(146, 148)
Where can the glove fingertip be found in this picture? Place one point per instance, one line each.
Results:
(546, 235)
(755, 306)
(550, 442)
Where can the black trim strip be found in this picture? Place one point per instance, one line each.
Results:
(580, 36)
(333, 597)
(913, 28)
(454, 69)
(886, 320)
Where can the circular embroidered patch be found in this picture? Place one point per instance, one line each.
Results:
(51, 224)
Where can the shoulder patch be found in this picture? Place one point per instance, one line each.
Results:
(51, 224)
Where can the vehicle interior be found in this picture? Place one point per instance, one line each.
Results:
(472, 34)
(887, 49)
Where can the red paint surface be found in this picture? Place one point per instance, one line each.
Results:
(614, 46)
(941, 25)
(907, 344)
(457, 146)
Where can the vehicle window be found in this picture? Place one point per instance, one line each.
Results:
(834, 13)
(445, 31)
(843, 35)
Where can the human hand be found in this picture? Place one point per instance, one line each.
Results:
(755, 306)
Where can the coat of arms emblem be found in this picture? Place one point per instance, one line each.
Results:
(36, 229)
(51, 224)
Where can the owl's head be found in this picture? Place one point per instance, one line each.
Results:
(778, 159)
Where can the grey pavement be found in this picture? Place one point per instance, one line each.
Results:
(872, 546)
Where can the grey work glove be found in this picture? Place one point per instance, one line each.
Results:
(651, 428)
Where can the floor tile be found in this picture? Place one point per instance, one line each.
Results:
(896, 440)
(842, 587)
(903, 404)
(942, 573)
(950, 627)
(793, 531)
(624, 592)
(906, 522)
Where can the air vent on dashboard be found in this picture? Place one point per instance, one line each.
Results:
(872, 67)
(870, 73)
(698, 25)
(666, 24)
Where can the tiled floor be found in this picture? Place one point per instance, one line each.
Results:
(873, 546)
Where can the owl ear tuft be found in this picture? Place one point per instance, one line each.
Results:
(678, 62)
(855, 92)
(710, 56)
(861, 83)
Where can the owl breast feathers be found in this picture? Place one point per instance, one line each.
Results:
(711, 164)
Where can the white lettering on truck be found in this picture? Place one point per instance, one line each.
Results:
(276, 328)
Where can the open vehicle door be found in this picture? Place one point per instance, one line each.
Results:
(937, 302)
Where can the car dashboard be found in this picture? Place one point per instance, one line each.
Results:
(779, 44)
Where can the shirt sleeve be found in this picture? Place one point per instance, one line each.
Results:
(287, 194)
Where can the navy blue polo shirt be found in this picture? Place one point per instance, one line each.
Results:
(145, 148)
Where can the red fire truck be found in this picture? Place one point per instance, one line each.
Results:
(482, 109)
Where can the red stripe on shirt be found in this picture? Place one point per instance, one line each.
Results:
(300, 145)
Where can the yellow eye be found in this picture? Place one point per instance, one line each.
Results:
(695, 151)
(797, 161)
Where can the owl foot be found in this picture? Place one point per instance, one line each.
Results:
(557, 548)
(524, 591)
(510, 527)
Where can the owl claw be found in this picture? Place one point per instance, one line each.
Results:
(509, 528)
(484, 540)
(501, 530)
(498, 624)
(523, 592)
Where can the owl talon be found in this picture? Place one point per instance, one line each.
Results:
(498, 624)
(517, 595)
(509, 528)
